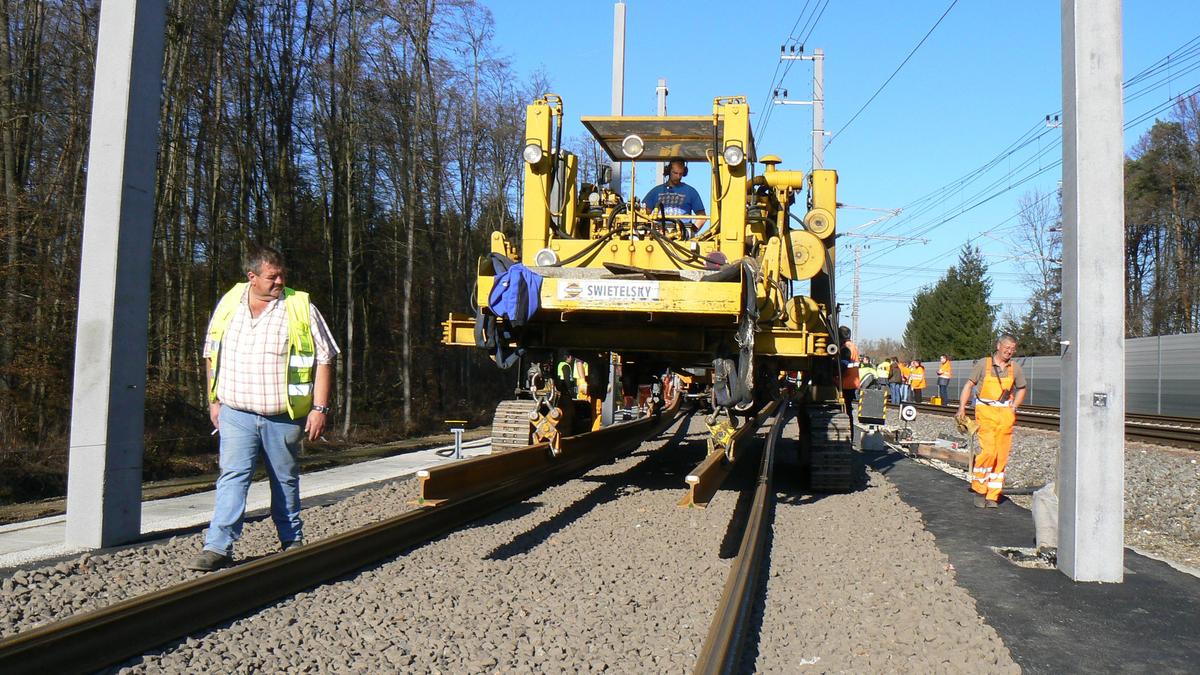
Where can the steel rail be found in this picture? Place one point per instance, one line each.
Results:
(1137, 426)
(462, 478)
(113, 634)
(722, 651)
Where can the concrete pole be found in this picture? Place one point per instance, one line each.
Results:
(1091, 463)
(104, 481)
(818, 145)
(857, 278)
(618, 79)
(661, 90)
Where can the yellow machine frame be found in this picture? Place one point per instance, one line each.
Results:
(676, 315)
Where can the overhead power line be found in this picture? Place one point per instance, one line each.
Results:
(793, 39)
(897, 70)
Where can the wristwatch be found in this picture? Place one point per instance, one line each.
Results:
(323, 409)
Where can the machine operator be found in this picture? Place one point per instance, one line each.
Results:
(676, 197)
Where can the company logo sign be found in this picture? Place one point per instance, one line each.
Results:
(614, 291)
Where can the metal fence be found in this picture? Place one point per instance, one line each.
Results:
(1162, 376)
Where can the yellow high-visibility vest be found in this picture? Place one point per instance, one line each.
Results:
(301, 361)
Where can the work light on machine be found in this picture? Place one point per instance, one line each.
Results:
(545, 258)
(633, 146)
(734, 155)
(533, 153)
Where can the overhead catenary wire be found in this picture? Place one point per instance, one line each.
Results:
(984, 196)
(893, 75)
(777, 79)
(935, 209)
(1186, 56)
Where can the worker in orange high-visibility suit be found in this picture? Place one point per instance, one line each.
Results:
(850, 365)
(1001, 391)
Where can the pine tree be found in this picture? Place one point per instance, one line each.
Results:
(953, 316)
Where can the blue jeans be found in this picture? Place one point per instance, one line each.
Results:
(243, 434)
(894, 392)
(942, 387)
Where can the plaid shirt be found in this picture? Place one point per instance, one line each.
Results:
(253, 355)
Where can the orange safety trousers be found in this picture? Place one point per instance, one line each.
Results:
(995, 442)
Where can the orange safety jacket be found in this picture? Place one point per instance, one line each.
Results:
(916, 377)
(850, 370)
(944, 370)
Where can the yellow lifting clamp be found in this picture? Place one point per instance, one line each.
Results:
(545, 428)
(722, 427)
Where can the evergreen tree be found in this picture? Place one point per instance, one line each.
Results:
(954, 316)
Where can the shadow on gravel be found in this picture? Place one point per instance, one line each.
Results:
(663, 469)
(881, 461)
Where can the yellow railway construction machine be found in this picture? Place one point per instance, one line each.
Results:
(600, 277)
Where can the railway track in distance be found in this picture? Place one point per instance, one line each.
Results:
(114, 634)
(1181, 432)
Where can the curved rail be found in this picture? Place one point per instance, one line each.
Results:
(722, 651)
(113, 634)
(1183, 432)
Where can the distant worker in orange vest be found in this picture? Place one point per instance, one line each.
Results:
(944, 371)
(849, 363)
(916, 379)
(1001, 391)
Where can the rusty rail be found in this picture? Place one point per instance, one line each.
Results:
(722, 651)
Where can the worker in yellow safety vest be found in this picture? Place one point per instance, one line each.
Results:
(1001, 391)
(270, 378)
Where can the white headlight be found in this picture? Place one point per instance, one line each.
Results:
(545, 258)
(533, 153)
(734, 155)
(632, 146)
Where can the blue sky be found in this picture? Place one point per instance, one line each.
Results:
(984, 79)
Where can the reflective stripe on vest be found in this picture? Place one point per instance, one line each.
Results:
(917, 378)
(299, 367)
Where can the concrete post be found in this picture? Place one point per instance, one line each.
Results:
(661, 92)
(618, 79)
(1091, 463)
(818, 148)
(857, 289)
(104, 481)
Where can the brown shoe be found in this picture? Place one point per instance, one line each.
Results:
(208, 561)
(980, 501)
(287, 545)
(991, 504)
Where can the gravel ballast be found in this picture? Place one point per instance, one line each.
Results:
(600, 573)
(856, 585)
